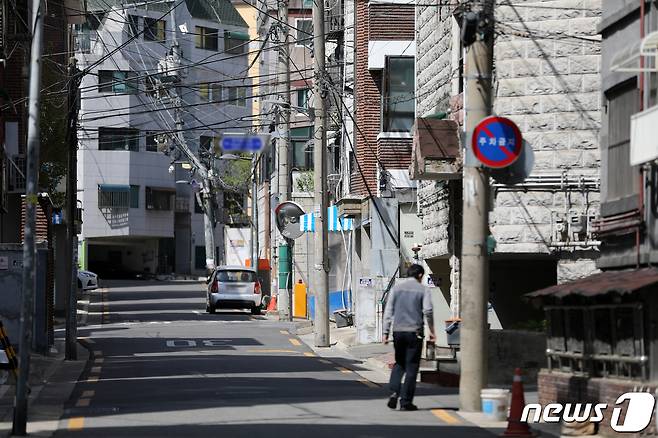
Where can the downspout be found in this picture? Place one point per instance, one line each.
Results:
(641, 175)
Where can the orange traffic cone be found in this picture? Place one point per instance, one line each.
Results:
(516, 427)
(271, 306)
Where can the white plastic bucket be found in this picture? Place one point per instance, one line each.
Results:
(495, 403)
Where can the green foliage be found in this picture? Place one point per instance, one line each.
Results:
(305, 182)
(237, 173)
(53, 153)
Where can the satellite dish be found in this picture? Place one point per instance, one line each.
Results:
(287, 216)
(519, 170)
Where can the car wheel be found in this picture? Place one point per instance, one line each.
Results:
(256, 310)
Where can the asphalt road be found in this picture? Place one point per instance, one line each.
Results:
(163, 367)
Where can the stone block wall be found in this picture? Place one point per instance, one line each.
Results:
(546, 79)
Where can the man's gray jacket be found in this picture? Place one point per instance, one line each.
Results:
(407, 303)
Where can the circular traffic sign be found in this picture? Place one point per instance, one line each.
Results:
(497, 142)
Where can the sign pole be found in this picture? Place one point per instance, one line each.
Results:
(475, 228)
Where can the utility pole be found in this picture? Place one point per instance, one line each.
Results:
(71, 351)
(284, 150)
(254, 214)
(172, 64)
(321, 237)
(475, 229)
(31, 202)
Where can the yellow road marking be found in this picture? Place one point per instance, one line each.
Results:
(368, 383)
(284, 332)
(325, 361)
(95, 369)
(343, 370)
(87, 394)
(444, 416)
(309, 354)
(82, 403)
(295, 342)
(92, 379)
(76, 423)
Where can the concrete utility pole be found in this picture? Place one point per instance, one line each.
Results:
(254, 214)
(75, 77)
(29, 243)
(475, 229)
(321, 237)
(284, 302)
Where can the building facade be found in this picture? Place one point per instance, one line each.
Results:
(138, 191)
(546, 79)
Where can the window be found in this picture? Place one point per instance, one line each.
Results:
(151, 142)
(86, 33)
(154, 30)
(304, 35)
(118, 139)
(113, 196)
(200, 257)
(205, 38)
(133, 26)
(307, 3)
(302, 148)
(217, 92)
(235, 42)
(115, 81)
(159, 199)
(134, 196)
(204, 92)
(399, 101)
(237, 96)
(302, 98)
(198, 208)
(208, 143)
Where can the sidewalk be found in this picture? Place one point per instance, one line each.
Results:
(373, 362)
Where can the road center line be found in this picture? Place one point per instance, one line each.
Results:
(76, 423)
(295, 342)
(444, 416)
(368, 383)
(82, 403)
(343, 370)
(309, 354)
(87, 394)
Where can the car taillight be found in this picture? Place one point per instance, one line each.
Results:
(214, 288)
(257, 287)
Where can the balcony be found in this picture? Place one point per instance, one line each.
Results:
(436, 152)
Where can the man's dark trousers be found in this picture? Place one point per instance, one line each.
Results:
(408, 347)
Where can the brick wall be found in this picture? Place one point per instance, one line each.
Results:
(375, 22)
(558, 387)
(382, 27)
(394, 152)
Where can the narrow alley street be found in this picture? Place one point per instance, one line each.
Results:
(161, 366)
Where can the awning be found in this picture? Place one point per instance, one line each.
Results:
(334, 221)
(113, 188)
(244, 36)
(628, 59)
(608, 282)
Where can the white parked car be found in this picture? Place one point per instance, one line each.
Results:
(87, 280)
(234, 287)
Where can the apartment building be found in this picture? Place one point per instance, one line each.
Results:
(137, 190)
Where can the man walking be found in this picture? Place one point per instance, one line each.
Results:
(406, 305)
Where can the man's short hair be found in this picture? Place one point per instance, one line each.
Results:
(416, 271)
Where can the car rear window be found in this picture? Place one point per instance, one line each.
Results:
(236, 276)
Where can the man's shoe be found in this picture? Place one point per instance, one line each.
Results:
(392, 401)
(409, 407)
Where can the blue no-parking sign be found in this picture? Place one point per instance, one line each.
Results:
(497, 142)
(242, 143)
